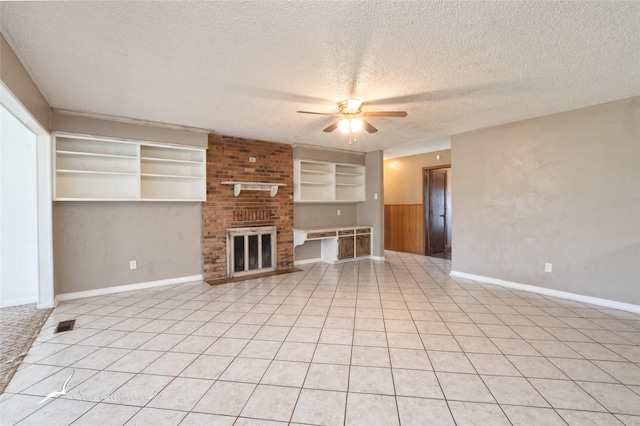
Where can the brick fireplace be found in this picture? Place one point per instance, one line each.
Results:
(229, 159)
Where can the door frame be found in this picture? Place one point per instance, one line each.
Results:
(44, 200)
(425, 201)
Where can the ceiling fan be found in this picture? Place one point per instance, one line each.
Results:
(350, 111)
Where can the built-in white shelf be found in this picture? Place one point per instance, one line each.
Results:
(91, 154)
(169, 176)
(96, 172)
(322, 182)
(98, 169)
(165, 160)
(238, 187)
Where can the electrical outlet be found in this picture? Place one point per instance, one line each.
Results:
(252, 159)
(339, 212)
(133, 264)
(548, 267)
(375, 196)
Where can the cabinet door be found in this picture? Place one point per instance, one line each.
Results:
(345, 247)
(363, 245)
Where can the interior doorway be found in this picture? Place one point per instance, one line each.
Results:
(18, 212)
(41, 176)
(437, 211)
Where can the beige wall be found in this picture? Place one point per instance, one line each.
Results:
(306, 215)
(17, 80)
(313, 153)
(562, 189)
(403, 176)
(131, 131)
(309, 215)
(94, 241)
(371, 212)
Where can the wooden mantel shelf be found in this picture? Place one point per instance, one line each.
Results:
(255, 186)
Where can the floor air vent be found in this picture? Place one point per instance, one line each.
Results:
(65, 326)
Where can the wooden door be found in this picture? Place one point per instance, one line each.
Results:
(436, 210)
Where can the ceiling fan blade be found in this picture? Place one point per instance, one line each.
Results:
(318, 113)
(386, 114)
(332, 127)
(368, 127)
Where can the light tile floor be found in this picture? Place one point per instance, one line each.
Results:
(366, 343)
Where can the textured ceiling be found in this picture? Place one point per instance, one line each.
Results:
(243, 68)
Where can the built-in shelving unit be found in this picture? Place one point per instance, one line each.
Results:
(171, 173)
(319, 182)
(91, 169)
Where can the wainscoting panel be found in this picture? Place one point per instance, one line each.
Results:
(404, 228)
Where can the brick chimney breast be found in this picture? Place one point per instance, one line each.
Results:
(228, 160)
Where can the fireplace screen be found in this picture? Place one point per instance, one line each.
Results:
(251, 250)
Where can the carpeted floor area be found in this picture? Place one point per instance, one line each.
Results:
(19, 327)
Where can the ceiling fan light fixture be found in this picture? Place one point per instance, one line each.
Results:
(353, 106)
(347, 125)
(344, 125)
(350, 121)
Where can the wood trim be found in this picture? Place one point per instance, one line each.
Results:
(442, 166)
(404, 228)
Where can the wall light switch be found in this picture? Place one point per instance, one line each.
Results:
(133, 264)
(375, 196)
(339, 212)
(252, 159)
(548, 267)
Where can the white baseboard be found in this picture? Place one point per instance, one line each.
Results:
(380, 258)
(16, 302)
(306, 261)
(551, 292)
(130, 287)
(48, 305)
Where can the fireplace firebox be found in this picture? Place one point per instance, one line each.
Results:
(251, 250)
